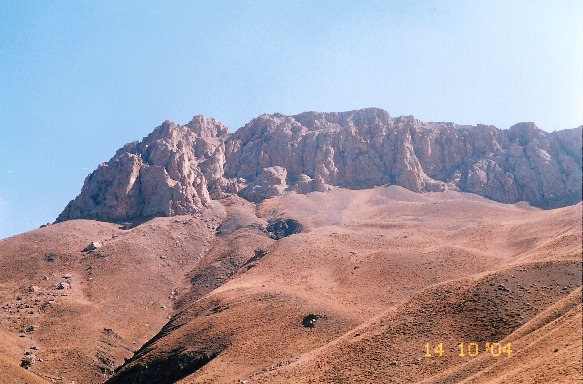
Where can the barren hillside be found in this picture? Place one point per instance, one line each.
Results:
(241, 258)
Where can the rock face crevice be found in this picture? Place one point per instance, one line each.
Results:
(178, 169)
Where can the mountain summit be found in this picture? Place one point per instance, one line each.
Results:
(178, 169)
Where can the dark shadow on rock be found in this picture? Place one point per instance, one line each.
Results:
(280, 228)
(259, 253)
(169, 366)
(309, 321)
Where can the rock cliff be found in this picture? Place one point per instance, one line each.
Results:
(170, 172)
(178, 169)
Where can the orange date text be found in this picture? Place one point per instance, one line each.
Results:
(472, 349)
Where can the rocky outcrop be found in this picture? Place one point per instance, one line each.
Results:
(170, 172)
(366, 148)
(270, 182)
(177, 169)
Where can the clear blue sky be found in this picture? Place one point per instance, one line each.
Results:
(78, 79)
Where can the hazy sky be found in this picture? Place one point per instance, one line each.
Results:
(78, 79)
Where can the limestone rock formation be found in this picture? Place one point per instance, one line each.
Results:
(178, 169)
(270, 182)
(169, 173)
(365, 148)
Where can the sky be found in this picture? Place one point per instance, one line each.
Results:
(79, 79)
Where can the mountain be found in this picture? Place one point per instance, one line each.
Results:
(178, 169)
(279, 254)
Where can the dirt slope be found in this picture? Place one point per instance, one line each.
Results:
(547, 350)
(391, 348)
(114, 299)
(384, 271)
(373, 276)
(13, 374)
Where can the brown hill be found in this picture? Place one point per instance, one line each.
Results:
(86, 311)
(382, 271)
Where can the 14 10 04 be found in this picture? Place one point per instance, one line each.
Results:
(471, 349)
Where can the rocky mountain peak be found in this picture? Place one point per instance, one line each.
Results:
(207, 127)
(165, 174)
(358, 118)
(523, 133)
(178, 169)
(199, 127)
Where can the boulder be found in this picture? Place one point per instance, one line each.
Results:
(304, 184)
(280, 228)
(92, 246)
(63, 285)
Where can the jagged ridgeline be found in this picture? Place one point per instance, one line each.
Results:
(178, 169)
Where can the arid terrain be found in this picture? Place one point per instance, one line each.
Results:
(348, 247)
(384, 271)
